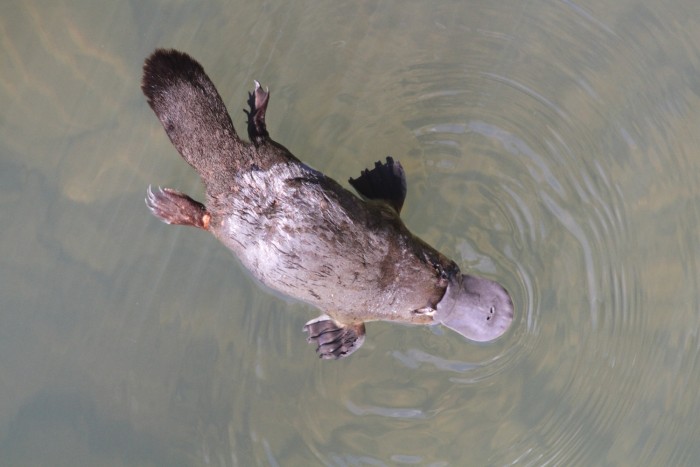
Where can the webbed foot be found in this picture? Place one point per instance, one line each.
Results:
(173, 207)
(257, 100)
(335, 340)
(385, 182)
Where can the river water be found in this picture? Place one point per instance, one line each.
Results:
(550, 145)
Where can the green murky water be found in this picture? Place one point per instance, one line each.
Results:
(552, 146)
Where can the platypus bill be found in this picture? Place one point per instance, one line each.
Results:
(300, 232)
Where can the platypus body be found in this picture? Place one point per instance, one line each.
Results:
(300, 232)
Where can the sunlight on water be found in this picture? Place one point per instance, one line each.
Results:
(549, 146)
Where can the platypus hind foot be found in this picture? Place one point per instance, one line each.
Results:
(257, 100)
(335, 340)
(173, 207)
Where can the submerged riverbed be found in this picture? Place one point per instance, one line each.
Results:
(551, 146)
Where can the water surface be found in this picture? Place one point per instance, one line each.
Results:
(549, 145)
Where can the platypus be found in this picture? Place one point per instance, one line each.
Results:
(300, 232)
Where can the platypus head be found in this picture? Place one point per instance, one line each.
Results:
(479, 309)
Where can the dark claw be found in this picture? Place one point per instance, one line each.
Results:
(334, 340)
(257, 100)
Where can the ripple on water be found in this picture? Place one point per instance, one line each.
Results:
(550, 146)
(534, 202)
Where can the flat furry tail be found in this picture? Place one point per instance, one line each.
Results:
(191, 111)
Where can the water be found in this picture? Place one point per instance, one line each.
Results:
(549, 145)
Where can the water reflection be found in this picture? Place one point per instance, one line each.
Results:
(550, 146)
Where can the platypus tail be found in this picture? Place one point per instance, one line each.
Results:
(192, 112)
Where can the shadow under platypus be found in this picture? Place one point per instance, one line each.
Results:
(300, 232)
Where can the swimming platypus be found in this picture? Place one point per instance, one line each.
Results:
(300, 232)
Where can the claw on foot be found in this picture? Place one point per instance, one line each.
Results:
(257, 100)
(335, 340)
(173, 207)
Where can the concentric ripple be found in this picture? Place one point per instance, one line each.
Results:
(551, 146)
(534, 176)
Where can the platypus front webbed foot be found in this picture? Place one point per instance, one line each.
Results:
(173, 207)
(386, 182)
(335, 340)
(257, 100)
